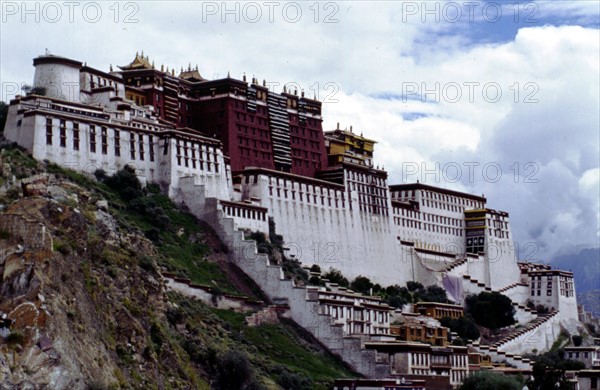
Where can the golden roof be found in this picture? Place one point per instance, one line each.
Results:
(139, 62)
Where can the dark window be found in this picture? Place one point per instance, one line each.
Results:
(63, 133)
(117, 143)
(104, 136)
(151, 147)
(92, 138)
(132, 145)
(75, 136)
(48, 131)
(141, 141)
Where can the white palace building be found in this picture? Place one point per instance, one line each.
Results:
(223, 148)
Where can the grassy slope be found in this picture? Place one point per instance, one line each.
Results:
(274, 351)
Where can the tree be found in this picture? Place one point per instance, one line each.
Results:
(491, 309)
(126, 183)
(361, 284)
(485, 380)
(549, 369)
(464, 326)
(335, 276)
(432, 294)
(577, 340)
(414, 286)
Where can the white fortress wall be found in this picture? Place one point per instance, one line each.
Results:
(22, 130)
(478, 268)
(199, 158)
(500, 250)
(321, 229)
(59, 77)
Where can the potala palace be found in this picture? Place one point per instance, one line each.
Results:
(237, 154)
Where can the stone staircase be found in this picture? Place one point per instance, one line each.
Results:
(499, 356)
(519, 337)
(456, 264)
(506, 289)
(270, 278)
(523, 313)
(527, 330)
(477, 283)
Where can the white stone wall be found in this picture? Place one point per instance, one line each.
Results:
(325, 232)
(61, 81)
(21, 130)
(245, 218)
(562, 296)
(209, 168)
(503, 267)
(440, 219)
(540, 338)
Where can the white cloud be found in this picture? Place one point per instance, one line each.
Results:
(373, 52)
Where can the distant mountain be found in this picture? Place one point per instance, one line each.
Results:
(591, 301)
(585, 266)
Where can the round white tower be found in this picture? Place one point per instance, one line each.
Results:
(58, 77)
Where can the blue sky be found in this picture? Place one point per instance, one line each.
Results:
(483, 92)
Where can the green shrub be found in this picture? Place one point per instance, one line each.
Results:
(361, 284)
(464, 326)
(148, 264)
(125, 183)
(430, 294)
(491, 309)
(396, 301)
(413, 286)
(485, 380)
(335, 276)
(61, 246)
(549, 369)
(233, 371)
(292, 381)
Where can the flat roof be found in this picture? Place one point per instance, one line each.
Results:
(290, 176)
(426, 187)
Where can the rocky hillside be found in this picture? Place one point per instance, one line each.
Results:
(83, 304)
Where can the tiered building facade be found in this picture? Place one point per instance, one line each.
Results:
(235, 149)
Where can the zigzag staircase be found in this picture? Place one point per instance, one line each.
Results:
(306, 313)
(520, 336)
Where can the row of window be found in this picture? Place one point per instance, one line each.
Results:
(539, 292)
(315, 145)
(444, 206)
(298, 162)
(303, 132)
(196, 155)
(365, 178)
(241, 212)
(358, 314)
(259, 145)
(261, 133)
(408, 213)
(301, 196)
(241, 116)
(302, 187)
(451, 199)
(93, 139)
